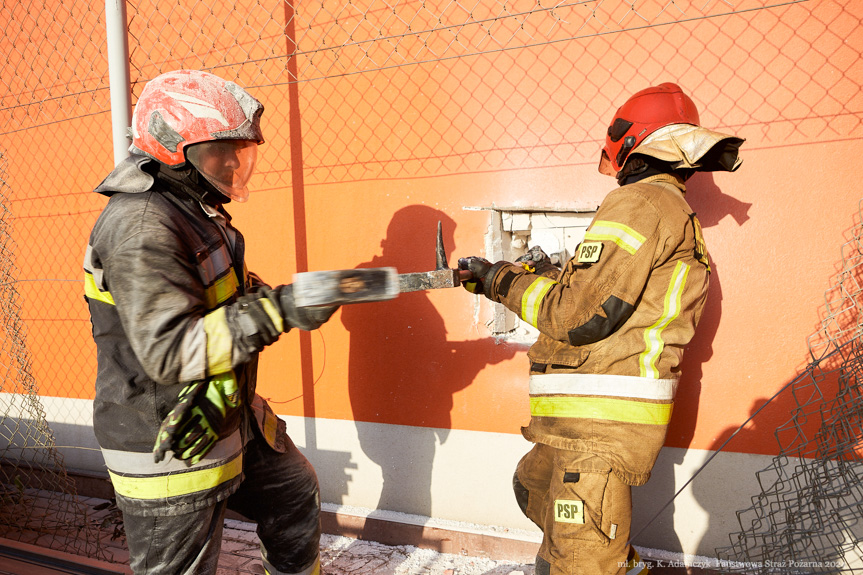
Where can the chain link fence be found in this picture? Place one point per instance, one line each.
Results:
(383, 89)
(808, 517)
(37, 498)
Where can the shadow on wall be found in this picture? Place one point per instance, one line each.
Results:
(404, 371)
(712, 205)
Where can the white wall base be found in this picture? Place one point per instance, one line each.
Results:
(466, 476)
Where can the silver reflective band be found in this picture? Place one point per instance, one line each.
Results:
(142, 463)
(598, 384)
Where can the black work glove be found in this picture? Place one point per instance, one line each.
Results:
(479, 268)
(196, 423)
(536, 261)
(305, 318)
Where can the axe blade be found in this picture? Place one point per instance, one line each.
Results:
(440, 252)
(339, 287)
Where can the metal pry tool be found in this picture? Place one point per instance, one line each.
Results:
(339, 287)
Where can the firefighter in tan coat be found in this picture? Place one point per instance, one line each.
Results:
(613, 325)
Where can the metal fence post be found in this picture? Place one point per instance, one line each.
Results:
(118, 74)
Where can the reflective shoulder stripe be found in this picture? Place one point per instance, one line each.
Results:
(601, 384)
(220, 345)
(130, 462)
(622, 235)
(221, 290)
(175, 484)
(609, 409)
(670, 310)
(92, 291)
(532, 298)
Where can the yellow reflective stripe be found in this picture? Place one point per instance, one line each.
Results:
(92, 291)
(532, 298)
(622, 235)
(221, 290)
(653, 335)
(275, 315)
(601, 408)
(219, 342)
(174, 484)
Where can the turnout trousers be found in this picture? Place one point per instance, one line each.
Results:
(583, 509)
(279, 492)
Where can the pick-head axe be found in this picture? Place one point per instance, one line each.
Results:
(339, 287)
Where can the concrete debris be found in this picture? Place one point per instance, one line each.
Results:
(346, 556)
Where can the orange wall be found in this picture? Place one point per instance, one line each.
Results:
(387, 154)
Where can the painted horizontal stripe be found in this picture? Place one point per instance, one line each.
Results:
(620, 234)
(93, 292)
(176, 484)
(601, 408)
(600, 384)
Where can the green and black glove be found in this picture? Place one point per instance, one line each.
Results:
(193, 426)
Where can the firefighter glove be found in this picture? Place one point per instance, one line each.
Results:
(537, 261)
(479, 268)
(193, 426)
(305, 318)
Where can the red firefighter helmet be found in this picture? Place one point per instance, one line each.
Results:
(179, 109)
(641, 115)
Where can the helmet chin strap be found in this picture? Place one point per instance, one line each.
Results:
(193, 184)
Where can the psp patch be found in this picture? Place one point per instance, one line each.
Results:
(568, 511)
(588, 252)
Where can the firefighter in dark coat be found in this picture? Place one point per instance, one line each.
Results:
(178, 323)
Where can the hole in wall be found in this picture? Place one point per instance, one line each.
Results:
(512, 232)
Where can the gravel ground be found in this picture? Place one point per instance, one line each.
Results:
(345, 556)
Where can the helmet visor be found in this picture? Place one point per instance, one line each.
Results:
(227, 164)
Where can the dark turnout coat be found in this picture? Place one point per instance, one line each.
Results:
(164, 281)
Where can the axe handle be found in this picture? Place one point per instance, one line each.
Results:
(464, 275)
